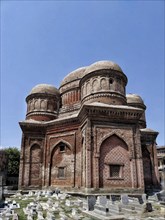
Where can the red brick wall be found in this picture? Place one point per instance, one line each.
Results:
(114, 151)
(35, 166)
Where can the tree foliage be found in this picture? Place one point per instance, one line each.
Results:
(13, 155)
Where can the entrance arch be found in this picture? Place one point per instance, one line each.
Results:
(114, 163)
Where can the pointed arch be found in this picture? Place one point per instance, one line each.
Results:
(117, 134)
(35, 164)
(56, 145)
(60, 169)
(114, 163)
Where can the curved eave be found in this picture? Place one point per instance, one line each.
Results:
(148, 136)
(148, 131)
(31, 124)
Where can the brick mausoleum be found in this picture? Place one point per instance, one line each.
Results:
(88, 135)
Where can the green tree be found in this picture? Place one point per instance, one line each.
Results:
(13, 155)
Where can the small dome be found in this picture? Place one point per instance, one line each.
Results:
(134, 98)
(74, 75)
(45, 88)
(104, 64)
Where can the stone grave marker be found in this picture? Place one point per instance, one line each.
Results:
(31, 193)
(102, 200)
(112, 199)
(43, 193)
(124, 199)
(101, 206)
(144, 198)
(91, 201)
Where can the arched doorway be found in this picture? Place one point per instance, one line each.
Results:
(114, 163)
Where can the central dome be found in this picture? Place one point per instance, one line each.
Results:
(104, 64)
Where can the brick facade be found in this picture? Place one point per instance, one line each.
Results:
(88, 135)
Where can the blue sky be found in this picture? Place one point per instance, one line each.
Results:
(42, 41)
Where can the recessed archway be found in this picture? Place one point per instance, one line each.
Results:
(114, 163)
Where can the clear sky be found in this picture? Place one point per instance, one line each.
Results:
(42, 41)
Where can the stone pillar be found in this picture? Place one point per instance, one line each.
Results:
(139, 161)
(133, 161)
(155, 172)
(96, 170)
(21, 166)
(83, 158)
(88, 155)
(96, 156)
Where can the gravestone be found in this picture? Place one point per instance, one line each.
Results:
(101, 206)
(91, 201)
(43, 193)
(31, 193)
(102, 200)
(112, 199)
(114, 208)
(147, 207)
(144, 198)
(124, 199)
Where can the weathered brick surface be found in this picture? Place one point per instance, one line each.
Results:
(35, 166)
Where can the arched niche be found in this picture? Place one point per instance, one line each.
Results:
(103, 84)
(95, 85)
(35, 164)
(60, 163)
(114, 163)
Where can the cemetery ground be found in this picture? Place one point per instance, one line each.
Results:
(49, 205)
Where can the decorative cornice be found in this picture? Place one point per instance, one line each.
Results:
(116, 113)
(103, 94)
(42, 113)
